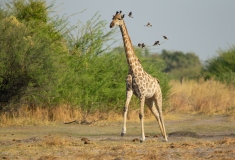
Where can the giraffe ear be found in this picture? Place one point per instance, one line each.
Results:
(123, 15)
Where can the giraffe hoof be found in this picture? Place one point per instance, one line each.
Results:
(165, 140)
(122, 134)
(142, 140)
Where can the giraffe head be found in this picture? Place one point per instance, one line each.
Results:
(117, 19)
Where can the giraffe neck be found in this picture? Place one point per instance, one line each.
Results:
(132, 59)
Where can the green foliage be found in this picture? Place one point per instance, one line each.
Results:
(90, 39)
(25, 62)
(86, 81)
(2, 13)
(180, 65)
(222, 68)
(28, 55)
(29, 10)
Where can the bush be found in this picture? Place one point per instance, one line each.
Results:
(179, 65)
(26, 64)
(84, 82)
(222, 68)
(29, 48)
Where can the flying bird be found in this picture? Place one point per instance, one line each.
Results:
(143, 45)
(156, 43)
(165, 37)
(130, 14)
(148, 25)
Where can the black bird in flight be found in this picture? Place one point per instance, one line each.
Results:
(156, 43)
(165, 37)
(148, 25)
(130, 14)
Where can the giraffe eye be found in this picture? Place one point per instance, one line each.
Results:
(119, 19)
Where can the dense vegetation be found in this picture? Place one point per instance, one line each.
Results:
(222, 67)
(45, 63)
(180, 65)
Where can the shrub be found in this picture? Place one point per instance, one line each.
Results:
(222, 67)
(30, 46)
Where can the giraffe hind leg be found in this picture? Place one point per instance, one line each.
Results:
(158, 109)
(150, 104)
(152, 107)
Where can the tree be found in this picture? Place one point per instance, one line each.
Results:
(180, 65)
(222, 67)
(28, 53)
(85, 82)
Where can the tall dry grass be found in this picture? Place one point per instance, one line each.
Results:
(49, 116)
(39, 116)
(208, 97)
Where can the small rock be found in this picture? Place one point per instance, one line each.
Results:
(136, 139)
(156, 136)
(84, 139)
(87, 142)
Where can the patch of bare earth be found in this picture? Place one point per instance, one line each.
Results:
(190, 137)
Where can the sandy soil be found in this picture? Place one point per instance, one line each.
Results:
(190, 137)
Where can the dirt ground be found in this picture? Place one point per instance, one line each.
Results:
(190, 137)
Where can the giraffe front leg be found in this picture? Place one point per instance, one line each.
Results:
(141, 116)
(129, 93)
(128, 99)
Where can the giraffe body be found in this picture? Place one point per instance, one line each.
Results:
(139, 83)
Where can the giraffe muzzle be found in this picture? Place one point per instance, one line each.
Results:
(111, 25)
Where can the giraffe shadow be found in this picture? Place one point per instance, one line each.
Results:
(196, 135)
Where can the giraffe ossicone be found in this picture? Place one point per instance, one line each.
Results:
(139, 83)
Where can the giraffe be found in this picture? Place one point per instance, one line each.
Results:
(139, 82)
